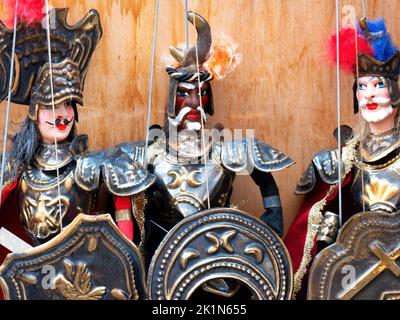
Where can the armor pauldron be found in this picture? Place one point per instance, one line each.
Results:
(238, 155)
(307, 181)
(87, 172)
(267, 158)
(122, 173)
(326, 163)
(234, 155)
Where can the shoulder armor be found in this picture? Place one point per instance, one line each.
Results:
(326, 164)
(238, 155)
(123, 170)
(87, 172)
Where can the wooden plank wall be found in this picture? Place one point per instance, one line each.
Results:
(282, 88)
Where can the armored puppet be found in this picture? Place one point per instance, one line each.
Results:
(50, 177)
(193, 172)
(370, 157)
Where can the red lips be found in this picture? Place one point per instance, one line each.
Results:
(193, 116)
(61, 127)
(372, 106)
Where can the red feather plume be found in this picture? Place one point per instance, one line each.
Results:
(348, 49)
(28, 11)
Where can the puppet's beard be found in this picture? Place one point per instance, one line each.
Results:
(384, 110)
(189, 124)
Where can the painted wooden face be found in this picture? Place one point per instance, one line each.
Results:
(188, 109)
(374, 99)
(51, 129)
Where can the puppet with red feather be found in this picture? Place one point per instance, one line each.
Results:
(368, 154)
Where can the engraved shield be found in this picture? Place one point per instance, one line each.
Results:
(363, 264)
(220, 243)
(90, 260)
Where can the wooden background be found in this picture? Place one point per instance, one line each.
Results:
(282, 88)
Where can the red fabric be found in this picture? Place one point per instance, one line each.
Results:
(6, 191)
(9, 218)
(296, 236)
(126, 227)
(122, 203)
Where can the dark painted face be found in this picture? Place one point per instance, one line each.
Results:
(188, 108)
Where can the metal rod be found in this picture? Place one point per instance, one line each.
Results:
(339, 114)
(3, 158)
(53, 107)
(187, 23)
(149, 102)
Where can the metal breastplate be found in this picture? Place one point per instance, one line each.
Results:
(381, 176)
(45, 200)
(181, 186)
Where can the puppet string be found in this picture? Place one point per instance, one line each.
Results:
(53, 109)
(339, 114)
(202, 120)
(3, 161)
(359, 116)
(187, 23)
(364, 8)
(151, 81)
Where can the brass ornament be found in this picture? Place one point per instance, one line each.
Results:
(75, 265)
(220, 244)
(363, 263)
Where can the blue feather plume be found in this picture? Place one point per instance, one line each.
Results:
(380, 39)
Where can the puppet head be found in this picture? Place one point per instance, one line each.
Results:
(187, 103)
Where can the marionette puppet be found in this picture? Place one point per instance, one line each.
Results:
(369, 159)
(50, 177)
(194, 173)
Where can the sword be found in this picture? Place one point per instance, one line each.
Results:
(386, 261)
(13, 243)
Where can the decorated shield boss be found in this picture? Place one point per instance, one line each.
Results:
(220, 243)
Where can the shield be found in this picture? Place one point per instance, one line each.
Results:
(90, 260)
(363, 264)
(219, 244)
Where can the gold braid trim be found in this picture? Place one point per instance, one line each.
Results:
(139, 202)
(315, 218)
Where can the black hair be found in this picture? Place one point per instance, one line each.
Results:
(25, 145)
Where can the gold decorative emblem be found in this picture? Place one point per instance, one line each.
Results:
(181, 177)
(223, 241)
(77, 285)
(387, 261)
(378, 193)
(363, 263)
(90, 260)
(42, 216)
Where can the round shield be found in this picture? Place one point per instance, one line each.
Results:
(215, 247)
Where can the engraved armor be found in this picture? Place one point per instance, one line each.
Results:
(378, 168)
(184, 182)
(47, 201)
(43, 211)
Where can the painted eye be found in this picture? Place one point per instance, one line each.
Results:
(203, 92)
(361, 86)
(381, 85)
(182, 94)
